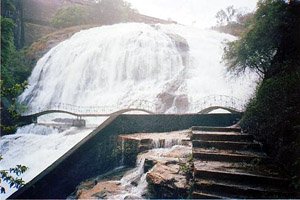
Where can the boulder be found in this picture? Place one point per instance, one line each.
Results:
(167, 181)
(101, 190)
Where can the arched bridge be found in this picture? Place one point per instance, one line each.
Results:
(210, 103)
(90, 114)
(91, 111)
(202, 106)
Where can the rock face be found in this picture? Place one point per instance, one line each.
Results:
(99, 191)
(171, 97)
(182, 47)
(167, 181)
(169, 177)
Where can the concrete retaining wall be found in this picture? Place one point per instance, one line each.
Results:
(96, 154)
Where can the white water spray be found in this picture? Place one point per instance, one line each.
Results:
(169, 65)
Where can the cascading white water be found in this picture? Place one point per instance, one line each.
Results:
(165, 143)
(103, 66)
(170, 65)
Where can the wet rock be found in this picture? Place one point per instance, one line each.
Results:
(182, 47)
(144, 148)
(180, 42)
(100, 195)
(165, 101)
(182, 103)
(149, 163)
(167, 181)
(101, 190)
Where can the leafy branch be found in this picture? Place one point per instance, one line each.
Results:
(6, 176)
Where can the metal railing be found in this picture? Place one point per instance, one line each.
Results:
(218, 101)
(196, 106)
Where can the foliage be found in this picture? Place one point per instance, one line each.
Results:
(7, 40)
(257, 47)
(103, 12)
(69, 16)
(226, 16)
(233, 21)
(187, 167)
(14, 72)
(112, 11)
(6, 176)
(272, 117)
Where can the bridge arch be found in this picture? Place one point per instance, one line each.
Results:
(119, 112)
(209, 103)
(123, 111)
(212, 108)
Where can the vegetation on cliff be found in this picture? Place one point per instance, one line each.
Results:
(270, 46)
(14, 72)
(232, 21)
(70, 16)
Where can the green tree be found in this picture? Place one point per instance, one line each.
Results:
(7, 45)
(70, 16)
(257, 47)
(233, 21)
(14, 72)
(6, 175)
(226, 16)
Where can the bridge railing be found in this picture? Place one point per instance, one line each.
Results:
(218, 100)
(195, 106)
(137, 104)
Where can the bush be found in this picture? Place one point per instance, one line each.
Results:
(273, 116)
(70, 16)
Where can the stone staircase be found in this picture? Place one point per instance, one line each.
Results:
(230, 164)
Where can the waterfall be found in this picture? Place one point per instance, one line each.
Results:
(113, 66)
(104, 65)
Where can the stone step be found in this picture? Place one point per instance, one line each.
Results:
(245, 178)
(207, 136)
(227, 156)
(228, 145)
(238, 190)
(216, 129)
